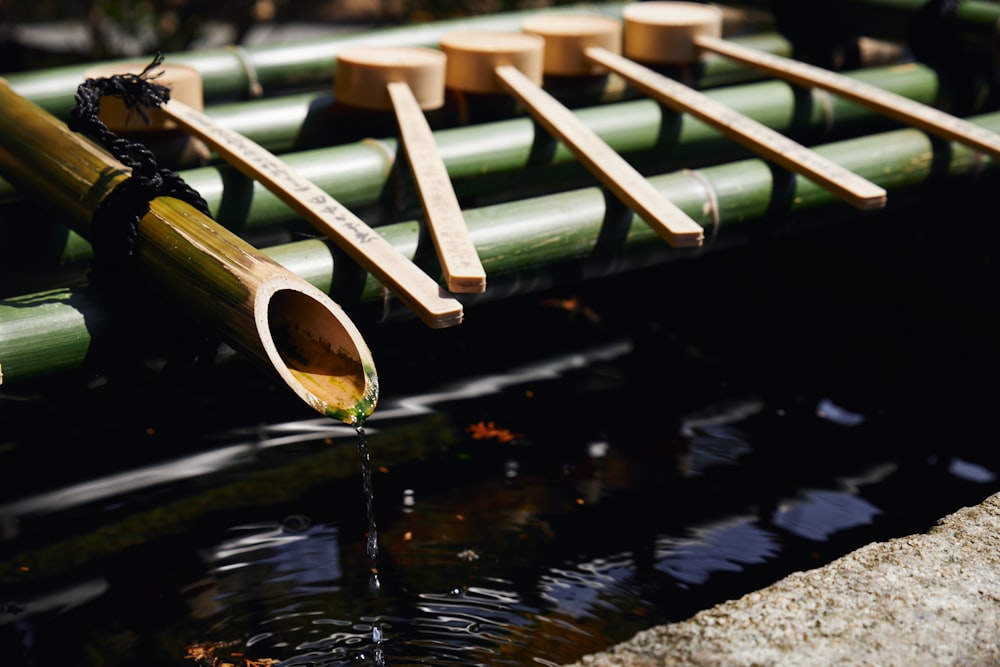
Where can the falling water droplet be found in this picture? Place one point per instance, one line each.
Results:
(371, 541)
(378, 656)
(371, 544)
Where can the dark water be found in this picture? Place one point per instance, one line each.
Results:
(554, 475)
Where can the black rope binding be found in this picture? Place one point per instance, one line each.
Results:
(115, 223)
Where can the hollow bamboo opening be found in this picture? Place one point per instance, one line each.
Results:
(306, 340)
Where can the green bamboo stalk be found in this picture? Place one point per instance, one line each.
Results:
(240, 295)
(481, 160)
(535, 243)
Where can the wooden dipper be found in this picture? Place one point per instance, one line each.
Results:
(650, 37)
(657, 33)
(407, 80)
(567, 39)
(675, 21)
(496, 62)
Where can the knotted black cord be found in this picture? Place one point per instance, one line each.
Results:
(114, 225)
(115, 222)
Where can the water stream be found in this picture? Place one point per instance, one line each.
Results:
(371, 536)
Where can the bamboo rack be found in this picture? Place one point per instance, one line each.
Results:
(530, 244)
(359, 174)
(282, 121)
(526, 237)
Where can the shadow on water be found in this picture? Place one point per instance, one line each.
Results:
(559, 472)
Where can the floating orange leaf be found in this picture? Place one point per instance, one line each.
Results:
(574, 307)
(489, 430)
(204, 653)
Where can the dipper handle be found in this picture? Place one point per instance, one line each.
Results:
(457, 254)
(621, 178)
(927, 118)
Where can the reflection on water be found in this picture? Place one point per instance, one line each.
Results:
(535, 502)
(718, 548)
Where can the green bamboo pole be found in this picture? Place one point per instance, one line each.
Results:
(481, 160)
(249, 301)
(537, 243)
(230, 73)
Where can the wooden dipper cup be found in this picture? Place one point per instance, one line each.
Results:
(682, 38)
(407, 80)
(567, 39)
(495, 62)
(161, 134)
(652, 38)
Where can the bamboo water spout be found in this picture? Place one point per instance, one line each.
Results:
(248, 300)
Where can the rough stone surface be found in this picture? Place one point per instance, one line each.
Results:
(922, 600)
